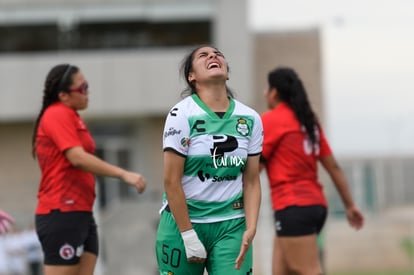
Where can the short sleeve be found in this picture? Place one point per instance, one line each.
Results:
(176, 131)
(271, 136)
(256, 142)
(60, 126)
(325, 149)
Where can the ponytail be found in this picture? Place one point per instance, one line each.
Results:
(291, 90)
(58, 79)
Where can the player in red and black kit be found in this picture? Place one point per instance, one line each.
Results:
(65, 151)
(293, 144)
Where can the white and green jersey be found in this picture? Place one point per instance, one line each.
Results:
(216, 151)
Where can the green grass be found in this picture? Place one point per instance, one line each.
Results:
(374, 273)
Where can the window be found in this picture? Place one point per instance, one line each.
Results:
(113, 146)
(103, 35)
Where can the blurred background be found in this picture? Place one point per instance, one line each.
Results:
(356, 61)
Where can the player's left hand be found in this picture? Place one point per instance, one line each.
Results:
(248, 236)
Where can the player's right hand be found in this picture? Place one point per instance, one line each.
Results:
(355, 217)
(5, 222)
(247, 239)
(194, 249)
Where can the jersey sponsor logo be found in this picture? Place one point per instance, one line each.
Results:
(242, 128)
(206, 176)
(237, 205)
(79, 250)
(197, 127)
(81, 125)
(221, 145)
(203, 176)
(67, 252)
(278, 225)
(231, 161)
(171, 132)
(173, 111)
(185, 142)
(308, 147)
(224, 178)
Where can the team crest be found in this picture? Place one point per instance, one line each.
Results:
(67, 252)
(242, 127)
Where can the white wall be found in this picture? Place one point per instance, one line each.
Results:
(127, 83)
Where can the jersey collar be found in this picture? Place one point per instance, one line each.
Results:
(203, 106)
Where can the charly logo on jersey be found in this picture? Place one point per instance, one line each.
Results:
(242, 127)
(67, 252)
(171, 132)
(173, 111)
(198, 126)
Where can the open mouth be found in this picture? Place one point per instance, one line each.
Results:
(213, 65)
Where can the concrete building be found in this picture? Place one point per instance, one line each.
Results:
(130, 52)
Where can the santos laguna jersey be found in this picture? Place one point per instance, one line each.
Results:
(216, 150)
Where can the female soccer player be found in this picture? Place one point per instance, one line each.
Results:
(293, 144)
(65, 151)
(212, 145)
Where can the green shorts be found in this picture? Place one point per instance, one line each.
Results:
(222, 241)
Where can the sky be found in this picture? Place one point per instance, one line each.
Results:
(367, 64)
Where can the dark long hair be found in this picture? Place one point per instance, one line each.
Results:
(57, 80)
(187, 67)
(291, 90)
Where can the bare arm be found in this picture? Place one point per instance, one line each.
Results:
(354, 215)
(90, 163)
(262, 167)
(251, 200)
(173, 172)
